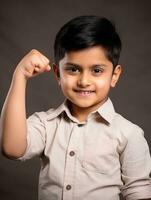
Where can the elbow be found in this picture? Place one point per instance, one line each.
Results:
(12, 148)
(11, 153)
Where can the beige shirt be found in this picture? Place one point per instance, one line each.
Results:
(93, 160)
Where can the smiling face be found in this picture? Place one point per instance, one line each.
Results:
(85, 77)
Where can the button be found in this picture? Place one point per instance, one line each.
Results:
(80, 125)
(72, 153)
(68, 187)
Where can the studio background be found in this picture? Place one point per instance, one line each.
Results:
(28, 24)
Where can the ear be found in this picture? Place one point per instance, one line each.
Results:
(56, 71)
(116, 75)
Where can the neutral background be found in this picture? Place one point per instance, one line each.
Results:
(33, 24)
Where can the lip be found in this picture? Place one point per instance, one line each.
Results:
(84, 92)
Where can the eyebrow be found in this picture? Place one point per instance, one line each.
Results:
(79, 66)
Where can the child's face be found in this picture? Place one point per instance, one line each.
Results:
(86, 77)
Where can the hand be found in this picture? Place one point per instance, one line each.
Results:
(33, 64)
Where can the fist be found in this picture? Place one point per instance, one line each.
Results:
(33, 64)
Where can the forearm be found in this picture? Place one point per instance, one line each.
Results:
(13, 119)
(13, 128)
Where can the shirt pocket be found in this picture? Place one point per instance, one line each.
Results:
(100, 156)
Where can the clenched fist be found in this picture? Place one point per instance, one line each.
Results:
(34, 63)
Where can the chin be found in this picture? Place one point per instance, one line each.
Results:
(83, 105)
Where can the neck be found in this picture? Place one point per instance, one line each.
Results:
(80, 113)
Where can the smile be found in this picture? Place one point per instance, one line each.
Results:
(84, 92)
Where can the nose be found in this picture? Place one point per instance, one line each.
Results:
(83, 80)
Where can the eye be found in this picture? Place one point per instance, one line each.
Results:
(97, 70)
(72, 69)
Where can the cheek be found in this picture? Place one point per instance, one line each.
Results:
(67, 81)
(103, 84)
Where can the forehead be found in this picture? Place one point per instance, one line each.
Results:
(88, 56)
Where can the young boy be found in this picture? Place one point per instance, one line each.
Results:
(87, 150)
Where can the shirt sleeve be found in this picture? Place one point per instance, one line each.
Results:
(136, 167)
(36, 136)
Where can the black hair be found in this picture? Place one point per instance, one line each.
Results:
(85, 32)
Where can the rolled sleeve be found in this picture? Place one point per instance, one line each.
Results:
(136, 167)
(36, 136)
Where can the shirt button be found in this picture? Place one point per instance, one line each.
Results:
(80, 125)
(68, 187)
(72, 153)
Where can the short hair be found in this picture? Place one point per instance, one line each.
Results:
(88, 31)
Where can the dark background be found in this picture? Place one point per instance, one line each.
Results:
(25, 25)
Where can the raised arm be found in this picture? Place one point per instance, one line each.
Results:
(13, 128)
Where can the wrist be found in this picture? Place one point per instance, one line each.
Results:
(19, 80)
(18, 75)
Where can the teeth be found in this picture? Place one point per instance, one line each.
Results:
(84, 92)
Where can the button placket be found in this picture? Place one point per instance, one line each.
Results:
(69, 177)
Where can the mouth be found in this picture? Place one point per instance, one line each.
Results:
(84, 92)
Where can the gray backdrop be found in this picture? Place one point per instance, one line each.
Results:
(33, 24)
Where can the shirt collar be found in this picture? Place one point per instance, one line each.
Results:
(62, 108)
(106, 111)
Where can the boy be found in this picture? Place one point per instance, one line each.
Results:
(87, 150)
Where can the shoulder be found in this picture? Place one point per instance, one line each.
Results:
(42, 115)
(130, 136)
(126, 127)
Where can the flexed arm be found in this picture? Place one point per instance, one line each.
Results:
(13, 128)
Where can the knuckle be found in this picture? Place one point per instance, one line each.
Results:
(34, 51)
(48, 61)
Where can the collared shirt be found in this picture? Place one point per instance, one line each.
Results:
(92, 160)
